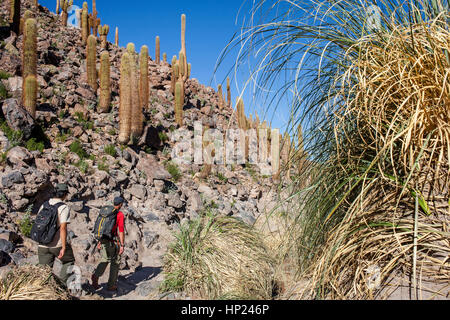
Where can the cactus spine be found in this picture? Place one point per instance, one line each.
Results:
(144, 85)
(103, 32)
(65, 5)
(14, 15)
(137, 116)
(125, 100)
(105, 83)
(30, 94)
(117, 37)
(91, 62)
(157, 50)
(84, 23)
(179, 103)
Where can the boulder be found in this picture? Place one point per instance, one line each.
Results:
(6, 246)
(11, 178)
(138, 191)
(18, 118)
(152, 169)
(150, 138)
(19, 156)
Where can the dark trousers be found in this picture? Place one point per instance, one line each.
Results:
(47, 257)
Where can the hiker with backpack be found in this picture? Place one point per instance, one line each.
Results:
(109, 232)
(50, 231)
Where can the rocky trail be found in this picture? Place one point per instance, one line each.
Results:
(70, 142)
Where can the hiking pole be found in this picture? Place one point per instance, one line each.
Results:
(94, 247)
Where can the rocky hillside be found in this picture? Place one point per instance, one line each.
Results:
(70, 142)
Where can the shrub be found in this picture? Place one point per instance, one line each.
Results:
(163, 137)
(111, 150)
(4, 75)
(25, 225)
(32, 145)
(4, 94)
(218, 257)
(83, 166)
(172, 168)
(77, 147)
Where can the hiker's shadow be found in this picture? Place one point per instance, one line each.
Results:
(130, 282)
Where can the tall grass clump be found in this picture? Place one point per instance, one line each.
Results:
(368, 83)
(218, 257)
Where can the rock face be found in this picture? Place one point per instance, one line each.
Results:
(81, 150)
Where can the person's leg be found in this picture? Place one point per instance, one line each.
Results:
(103, 262)
(45, 257)
(115, 265)
(68, 261)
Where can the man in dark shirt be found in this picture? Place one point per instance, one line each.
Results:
(112, 250)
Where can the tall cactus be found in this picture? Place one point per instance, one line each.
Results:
(103, 32)
(220, 95)
(105, 83)
(14, 15)
(125, 99)
(137, 117)
(27, 15)
(29, 94)
(91, 62)
(29, 65)
(174, 76)
(57, 7)
(117, 37)
(157, 50)
(179, 103)
(183, 45)
(65, 5)
(144, 84)
(84, 23)
(96, 23)
(29, 50)
(242, 120)
(165, 57)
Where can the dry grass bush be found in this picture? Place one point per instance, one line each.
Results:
(398, 102)
(219, 258)
(373, 99)
(32, 283)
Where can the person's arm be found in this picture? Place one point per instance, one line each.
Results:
(122, 242)
(63, 235)
(121, 232)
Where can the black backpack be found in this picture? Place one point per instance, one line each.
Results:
(46, 224)
(105, 223)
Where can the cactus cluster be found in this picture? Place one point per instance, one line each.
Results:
(29, 65)
(133, 93)
(103, 32)
(65, 5)
(181, 71)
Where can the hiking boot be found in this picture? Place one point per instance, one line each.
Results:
(113, 288)
(95, 282)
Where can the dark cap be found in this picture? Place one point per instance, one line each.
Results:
(62, 187)
(118, 201)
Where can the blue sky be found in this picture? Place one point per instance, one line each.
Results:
(210, 26)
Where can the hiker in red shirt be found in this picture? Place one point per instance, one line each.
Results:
(112, 250)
